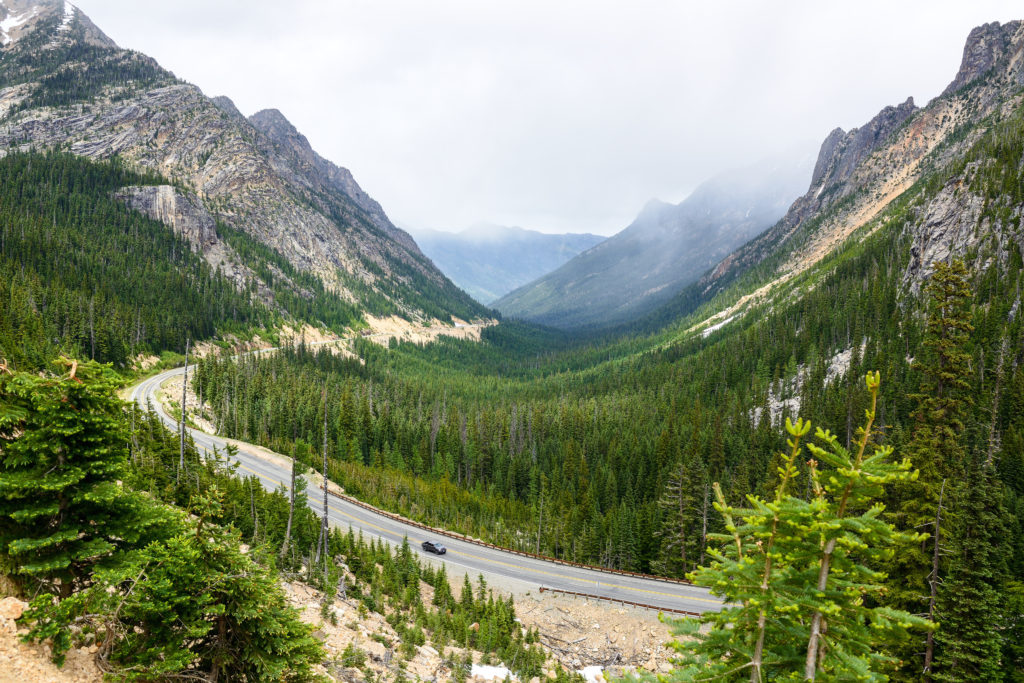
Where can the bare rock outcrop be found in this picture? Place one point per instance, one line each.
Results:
(954, 225)
(843, 151)
(184, 214)
(290, 142)
(987, 46)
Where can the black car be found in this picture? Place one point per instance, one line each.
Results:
(434, 547)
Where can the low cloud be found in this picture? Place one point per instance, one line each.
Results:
(561, 116)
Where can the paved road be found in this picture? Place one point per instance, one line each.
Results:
(498, 567)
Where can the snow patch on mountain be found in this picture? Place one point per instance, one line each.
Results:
(784, 395)
(12, 22)
(69, 16)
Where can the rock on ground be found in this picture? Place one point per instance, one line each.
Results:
(22, 663)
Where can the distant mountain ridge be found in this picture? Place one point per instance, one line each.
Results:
(489, 261)
(64, 84)
(665, 249)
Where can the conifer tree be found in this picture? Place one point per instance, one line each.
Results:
(63, 448)
(443, 597)
(936, 445)
(945, 365)
(189, 607)
(680, 531)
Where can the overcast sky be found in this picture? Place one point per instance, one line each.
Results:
(552, 115)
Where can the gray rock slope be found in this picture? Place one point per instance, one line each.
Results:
(65, 85)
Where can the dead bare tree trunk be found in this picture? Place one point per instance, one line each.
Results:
(255, 516)
(92, 327)
(291, 512)
(540, 519)
(683, 528)
(181, 422)
(704, 526)
(133, 444)
(322, 545)
(933, 582)
(993, 434)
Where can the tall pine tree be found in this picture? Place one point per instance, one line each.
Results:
(936, 448)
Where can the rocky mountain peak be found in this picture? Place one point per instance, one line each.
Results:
(842, 152)
(828, 150)
(292, 144)
(986, 46)
(653, 210)
(19, 18)
(226, 105)
(273, 124)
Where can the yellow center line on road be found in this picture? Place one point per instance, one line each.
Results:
(506, 564)
(593, 581)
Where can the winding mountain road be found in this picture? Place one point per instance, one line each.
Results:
(507, 569)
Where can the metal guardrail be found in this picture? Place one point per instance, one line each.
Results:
(523, 553)
(684, 612)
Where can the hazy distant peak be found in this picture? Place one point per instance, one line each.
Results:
(664, 249)
(489, 260)
(653, 210)
(492, 233)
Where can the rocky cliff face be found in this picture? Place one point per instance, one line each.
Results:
(185, 215)
(64, 84)
(843, 151)
(295, 148)
(860, 172)
(990, 46)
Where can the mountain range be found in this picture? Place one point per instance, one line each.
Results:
(909, 165)
(666, 248)
(489, 261)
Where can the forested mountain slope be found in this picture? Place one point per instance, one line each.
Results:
(63, 84)
(491, 260)
(905, 258)
(82, 274)
(666, 248)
